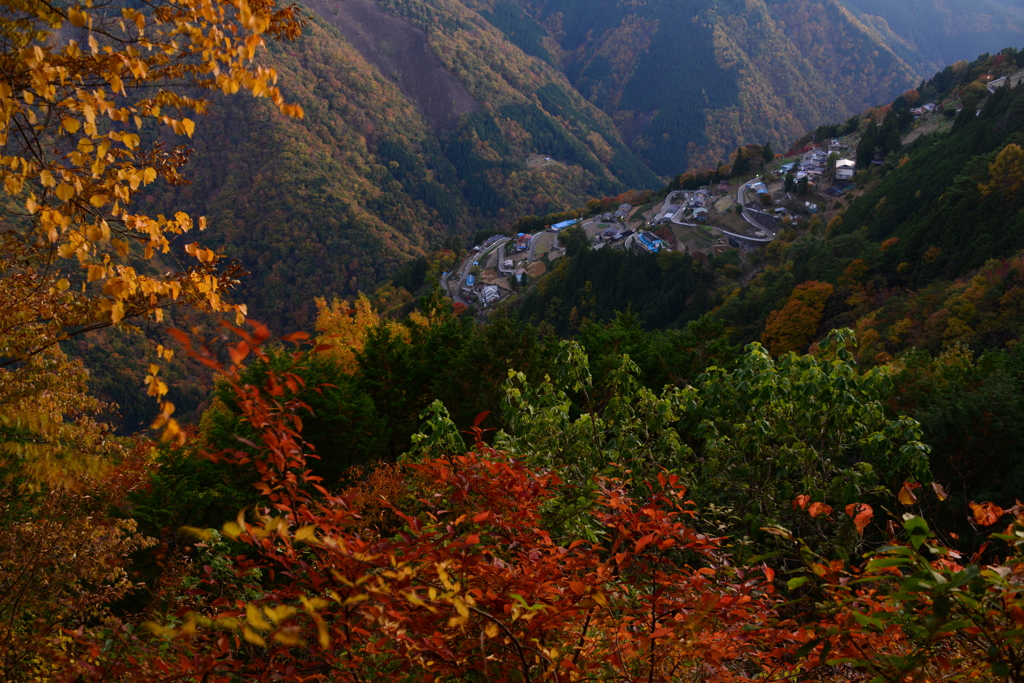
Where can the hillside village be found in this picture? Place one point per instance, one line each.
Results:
(734, 220)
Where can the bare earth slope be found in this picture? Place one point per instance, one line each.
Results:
(401, 52)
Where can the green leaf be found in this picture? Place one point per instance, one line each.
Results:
(796, 582)
(882, 563)
(807, 647)
(918, 531)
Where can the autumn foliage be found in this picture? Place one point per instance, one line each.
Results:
(464, 578)
(794, 326)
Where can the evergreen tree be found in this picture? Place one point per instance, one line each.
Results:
(768, 154)
(866, 147)
(892, 142)
(904, 120)
(741, 164)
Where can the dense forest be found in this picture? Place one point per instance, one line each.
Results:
(631, 489)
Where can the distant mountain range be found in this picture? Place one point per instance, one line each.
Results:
(425, 119)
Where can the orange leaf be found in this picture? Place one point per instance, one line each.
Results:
(577, 587)
(817, 509)
(861, 513)
(769, 573)
(986, 514)
(238, 352)
(906, 496)
(801, 502)
(643, 542)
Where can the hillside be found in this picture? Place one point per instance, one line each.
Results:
(421, 116)
(688, 82)
(441, 491)
(375, 173)
(929, 35)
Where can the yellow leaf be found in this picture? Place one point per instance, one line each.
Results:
(287, 637)
(148, 175)
(906, 495)
(279, 613)
(117, 312)
(306, 534)
(71, 125)
(253, 637)
(77, 17)
(65, 192)
(491, 630)
(63, 284)
(189, 126)
(255, 617)
(170, 431)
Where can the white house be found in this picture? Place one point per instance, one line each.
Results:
(845, 169)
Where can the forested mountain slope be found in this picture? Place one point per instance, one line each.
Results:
(931, 34)
(375, 173)
(421, 115)
(689, 81)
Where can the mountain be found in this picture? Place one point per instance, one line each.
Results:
(397, 153)
(689, 81)
(427, 120)
(929, 35)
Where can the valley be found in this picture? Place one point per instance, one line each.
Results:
(511, 341)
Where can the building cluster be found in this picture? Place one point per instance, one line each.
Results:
(687, 205)
(619, 215)
(559, 227)
(649, 242)
(930, 107)
(487, 243)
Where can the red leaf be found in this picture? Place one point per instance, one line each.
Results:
(480, 418)
(643, 542)
(801, 502)
(262, 333)
(238, 352)
(861, 513)
(986, 514)
(180, 336)
(819, 509)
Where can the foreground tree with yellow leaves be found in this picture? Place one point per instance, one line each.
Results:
(80, 84)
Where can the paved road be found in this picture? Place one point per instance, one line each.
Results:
(724, 231)
(740, 198)
(748, 217)
(669, 201)
(533, 244)
(501, 259)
